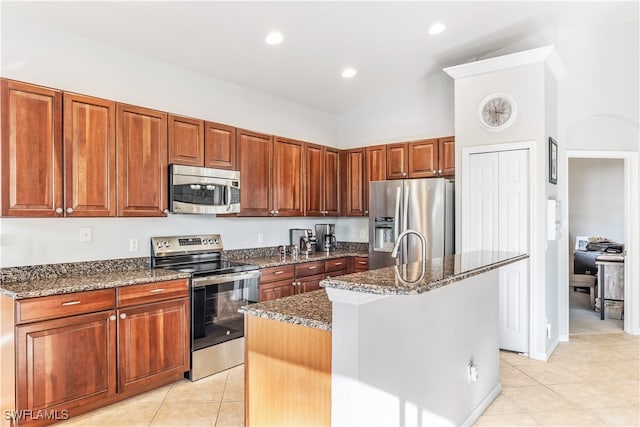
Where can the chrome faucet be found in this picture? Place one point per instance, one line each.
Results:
(423, 243)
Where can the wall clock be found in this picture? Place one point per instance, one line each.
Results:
(497, 112)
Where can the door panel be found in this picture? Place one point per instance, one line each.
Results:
(288, 184)
(255, 160)
(497, 218)
(186, 141)
(332, 180)
(314, 180)
(426, 214)
(219, 146)
(90, 156)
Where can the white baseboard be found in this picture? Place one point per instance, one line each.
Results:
(473, 417)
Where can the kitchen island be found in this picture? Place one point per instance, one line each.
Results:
(415, 344)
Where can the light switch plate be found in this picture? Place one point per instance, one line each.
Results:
(85, 234)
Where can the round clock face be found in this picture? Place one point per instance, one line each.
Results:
(496, 112)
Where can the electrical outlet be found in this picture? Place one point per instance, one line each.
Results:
(133, 245)
(363, 234)
(472, 373)
(260, 237)
(85, 234)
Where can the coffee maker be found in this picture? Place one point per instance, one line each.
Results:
(326, 237)
(304, 239)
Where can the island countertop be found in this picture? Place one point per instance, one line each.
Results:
(277, 261)
(418, 277)
(313, 309)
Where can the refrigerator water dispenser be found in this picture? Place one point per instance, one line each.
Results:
(384, 233)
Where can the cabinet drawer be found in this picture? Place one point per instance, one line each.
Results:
(276, 273)
(336, 264)
(360, 263)
(152, 292)
(309, 268)
(56, 306)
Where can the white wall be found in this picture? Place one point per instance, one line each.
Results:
(598, 110)
(596, 198)
(417, 111)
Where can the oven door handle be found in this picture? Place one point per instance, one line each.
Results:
(223, 278)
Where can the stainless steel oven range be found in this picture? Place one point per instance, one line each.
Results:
(218, 289)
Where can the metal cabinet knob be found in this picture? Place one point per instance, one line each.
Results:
(366, 212)
(404, 174)
(59, 211)
(276, 212)
(166, 211)
(112, 317)
(123, 315)
(69, 210)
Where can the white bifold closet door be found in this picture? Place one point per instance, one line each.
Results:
(495, 216)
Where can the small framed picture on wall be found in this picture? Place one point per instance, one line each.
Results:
(553, 161)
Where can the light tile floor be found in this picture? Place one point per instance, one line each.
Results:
(593, 380)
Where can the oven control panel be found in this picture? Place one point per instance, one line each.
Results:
(174, 245)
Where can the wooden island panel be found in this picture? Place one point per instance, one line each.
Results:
(287, 374)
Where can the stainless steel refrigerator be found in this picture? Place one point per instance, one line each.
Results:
(424, 205)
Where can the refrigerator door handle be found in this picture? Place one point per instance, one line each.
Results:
(396, 219)
(405, 225)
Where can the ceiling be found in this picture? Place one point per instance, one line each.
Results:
(387, 42)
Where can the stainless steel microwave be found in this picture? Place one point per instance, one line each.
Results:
(195, 190)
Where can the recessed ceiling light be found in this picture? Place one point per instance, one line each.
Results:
(349, 72)
(437, 28)
(274, 38)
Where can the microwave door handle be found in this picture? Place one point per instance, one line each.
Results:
(228, 196)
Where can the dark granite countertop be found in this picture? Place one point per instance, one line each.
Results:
(39, 287)
(417, 277)
(310, 309)
(313, 309)
(276, 261)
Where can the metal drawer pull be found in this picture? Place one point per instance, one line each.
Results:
(362, 262)
(156, 290)
(70, 303)
(312, 267)
(337, 263)
(278, 272)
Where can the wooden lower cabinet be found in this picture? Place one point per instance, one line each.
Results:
(275, 290)
(287, 374)
(80, 351)
(309, 283)
(153, 343)
(65, 363)
(360, 264)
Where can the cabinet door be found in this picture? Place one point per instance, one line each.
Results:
(31, 150)
(153, 343)
(376, 169)
(288, 183)
(142, 161)
(310, 283)
(89, 156)
(331, 182)
(447, 156)
(275, 290)
(220, 146)
(355, 186)
(314, 180)
(186, 141)
(397, 161)
(423, 158)
(360, 264)
(255, 161)
(65, 363)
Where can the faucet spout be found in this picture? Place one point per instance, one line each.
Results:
(423, 243)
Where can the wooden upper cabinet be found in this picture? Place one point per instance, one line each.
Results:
(322, 180)
(186, 141)
(353, 165)
(314, 180)
(219, 146)
(31, 150)
(423, 158)
(447, 156)
(376, 169)
(332, 181)
(255, 159)
(288, 177)
(141, 161)
(397, 161)
(89, 156)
